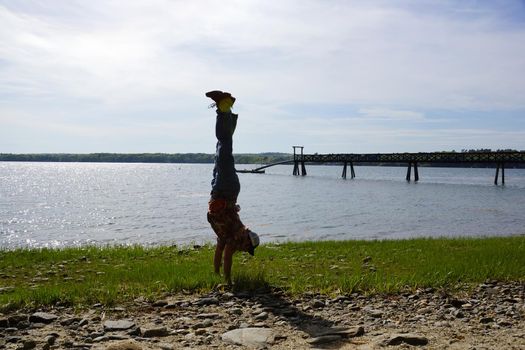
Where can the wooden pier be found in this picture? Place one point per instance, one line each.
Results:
(499, 159)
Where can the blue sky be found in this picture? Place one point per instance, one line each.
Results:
(334, 76)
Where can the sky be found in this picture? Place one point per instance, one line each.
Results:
(336, 76)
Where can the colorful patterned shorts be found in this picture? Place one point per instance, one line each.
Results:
(223, 217)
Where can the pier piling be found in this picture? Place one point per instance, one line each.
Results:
(502, 166)
(409, 171)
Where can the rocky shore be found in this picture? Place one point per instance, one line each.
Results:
(491, 316)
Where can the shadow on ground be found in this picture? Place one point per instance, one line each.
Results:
(275, 301)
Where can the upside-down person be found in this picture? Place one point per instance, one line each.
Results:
(223, 211)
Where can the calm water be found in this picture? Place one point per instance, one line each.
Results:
(67, 204)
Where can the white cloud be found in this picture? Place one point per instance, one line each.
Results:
(385, 113)
(125, 60)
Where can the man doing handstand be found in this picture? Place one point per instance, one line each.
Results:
(223, 211)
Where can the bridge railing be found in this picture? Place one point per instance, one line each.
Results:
(497, 158)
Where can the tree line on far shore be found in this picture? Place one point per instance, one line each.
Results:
(242, 158)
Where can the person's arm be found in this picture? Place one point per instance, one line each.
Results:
(218, 256)
(228, 259)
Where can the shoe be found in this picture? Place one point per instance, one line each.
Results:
(217, 96)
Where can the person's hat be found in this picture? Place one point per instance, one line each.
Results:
(254, 240)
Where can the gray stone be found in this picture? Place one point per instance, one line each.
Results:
(15, 319)
(344, 332)
(486, 320)
(411, 339)
(200, 331)
(204, 324)
(120, 325)
(251, 337)
(210, 315)
(324, 339)
(13, 339)
(70, 321)
(318, 304)
(50, 339)
(124, 345)
(374, 313)
(42, 317)
(25, 325)
(236, 311)
(154, 332)
(160, 303)
(207, 301)
(28, 344)
(101, 339)
(117, 337)
(261, 316)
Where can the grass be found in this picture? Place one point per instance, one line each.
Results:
(110, 275)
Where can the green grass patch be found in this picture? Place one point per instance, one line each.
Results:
(110, 275)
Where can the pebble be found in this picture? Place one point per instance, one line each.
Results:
(42, 317)
(120, 325)
(28, 344)
(318, 304)
(251, 337)
(410, 339)
(324, 339)
(261, 316)
(154, 332)
(207, 301)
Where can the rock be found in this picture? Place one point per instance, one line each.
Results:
(251, 337)
(373, 312)
(486, 320)
(160, 303)
(207, 301)
(100, 339)
(457, 303)
(13, 339)
(236, 311)
(210, 315)
(324, 339)
(28, 344)
(154, 332)
(117, 337)
(50, 339)
(344, 332)
(42, 317)
(261, 316)
(200, 331)
(4, 323)
(134, 332)
(124, 345)
(458, 314)
(410, 339)
(70, 321)
(318, 304)
(120, 325)
(25, 325)
(204, 324)
(15, 319)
